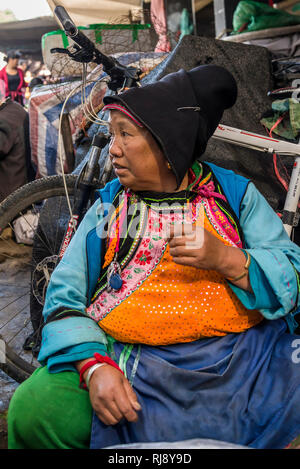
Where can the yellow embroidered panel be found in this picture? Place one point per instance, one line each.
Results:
(162, 302)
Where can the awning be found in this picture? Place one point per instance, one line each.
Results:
(88, 12)
(25, 36)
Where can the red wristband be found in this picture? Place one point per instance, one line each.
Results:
(98, 359)
(85, 367)
(108, 360)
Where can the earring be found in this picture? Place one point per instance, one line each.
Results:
(169, 166)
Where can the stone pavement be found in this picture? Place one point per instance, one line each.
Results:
(7, 388)
(12, 274)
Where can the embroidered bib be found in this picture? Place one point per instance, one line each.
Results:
(161, 302)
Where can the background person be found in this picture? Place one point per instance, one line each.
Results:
(15, 155)
(12, 81)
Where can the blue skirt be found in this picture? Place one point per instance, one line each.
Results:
(241, 388)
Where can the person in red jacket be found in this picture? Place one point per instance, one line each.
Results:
(12, 78)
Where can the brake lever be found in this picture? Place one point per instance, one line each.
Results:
(59, 50)
(80, 55)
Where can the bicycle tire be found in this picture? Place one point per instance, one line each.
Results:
(16, 367)
(39, 193)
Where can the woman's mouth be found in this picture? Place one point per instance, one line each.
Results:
(119, 169)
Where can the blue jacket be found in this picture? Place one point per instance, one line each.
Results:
(273, 277)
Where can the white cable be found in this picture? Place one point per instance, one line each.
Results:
(91, 116)
(60, 139)
(97, 120)
(60, 152)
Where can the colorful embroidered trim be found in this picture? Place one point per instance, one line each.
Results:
(125, 111)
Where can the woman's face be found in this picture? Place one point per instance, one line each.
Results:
(13, 62)
(138, 161)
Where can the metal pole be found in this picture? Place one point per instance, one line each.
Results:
(289, 215)
(68, 142)
(194, 17)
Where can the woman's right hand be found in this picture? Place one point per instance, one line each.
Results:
(112, 396)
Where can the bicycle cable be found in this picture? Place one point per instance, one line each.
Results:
(91, 116)
(99, 121)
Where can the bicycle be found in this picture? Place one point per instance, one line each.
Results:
(38, 198)
(47, 198)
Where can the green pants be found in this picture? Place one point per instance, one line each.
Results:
(50, 411)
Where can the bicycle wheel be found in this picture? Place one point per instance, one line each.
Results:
(33, 221)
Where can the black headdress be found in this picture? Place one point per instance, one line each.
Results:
(182, 111)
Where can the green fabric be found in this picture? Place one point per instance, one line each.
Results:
(186, 27)
(253, 16)
(125, 354)
(50, 411)
(98, 28)
(63, 35)
(296, 7)
(289, 127)
(54, 33)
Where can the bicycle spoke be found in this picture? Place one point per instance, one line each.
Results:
(13, 310)
(36, 233)
(15, 299)
(56, 231)
(26, 269)
(54, 248)
(21, 325)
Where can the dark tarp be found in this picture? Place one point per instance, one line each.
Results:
(26, 35)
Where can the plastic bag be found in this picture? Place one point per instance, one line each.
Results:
(25, 227)
(253, 16)
(284, 118)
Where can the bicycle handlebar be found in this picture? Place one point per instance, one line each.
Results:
(80, 39)
(121, 76)
(65, 20)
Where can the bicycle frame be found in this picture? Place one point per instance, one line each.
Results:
(271, 145)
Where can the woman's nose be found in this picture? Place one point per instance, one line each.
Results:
(114, 148)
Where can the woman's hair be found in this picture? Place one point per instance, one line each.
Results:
(12, 54)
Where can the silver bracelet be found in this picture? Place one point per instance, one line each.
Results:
(91, 371)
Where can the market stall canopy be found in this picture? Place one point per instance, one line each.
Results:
(85, 12)
(25, 36)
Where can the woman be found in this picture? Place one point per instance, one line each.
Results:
(175, 265)
(12, 81)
